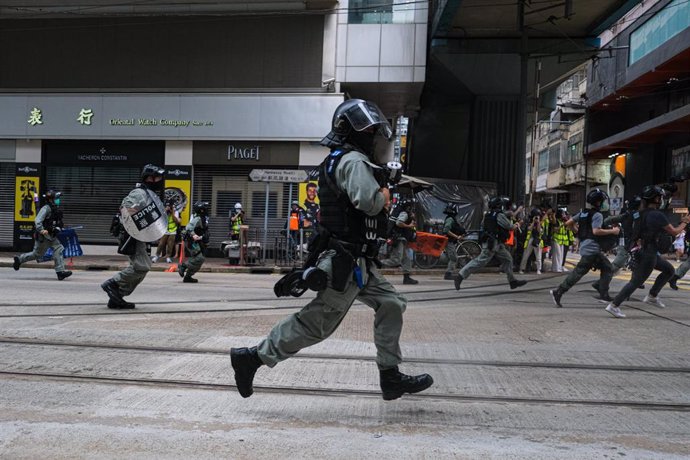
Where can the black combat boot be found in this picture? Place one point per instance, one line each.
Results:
(458, 281)
(517, 283)
(672, 282)
(448, 276)
(556, 295)
(124, 305)
(16, 263)
(189, 279)
(181, 269)
(245, 362)
(407, 279)
(113, 290)
(65, 274)
(394, 383)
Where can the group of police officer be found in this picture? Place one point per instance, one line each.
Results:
(343, 264)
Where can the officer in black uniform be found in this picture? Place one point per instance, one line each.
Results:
(354, 213)
(48, 224)
(655, 234)
(495, 231)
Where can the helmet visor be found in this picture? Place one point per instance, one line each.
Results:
(366, 114)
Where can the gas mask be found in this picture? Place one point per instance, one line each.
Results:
(604, 206)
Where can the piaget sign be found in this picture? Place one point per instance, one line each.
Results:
(243, 153)
(158, 122)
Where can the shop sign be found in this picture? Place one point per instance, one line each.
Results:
(35, 117)
(680, 210)
(177, 173)
(244, 153)
(278, 175)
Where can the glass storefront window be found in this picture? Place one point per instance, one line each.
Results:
(664, 25)
(380, 12)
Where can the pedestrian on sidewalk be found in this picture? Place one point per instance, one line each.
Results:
(48, 224)
(495, 231)
(653, 231)
(354, 208)
(592, 235)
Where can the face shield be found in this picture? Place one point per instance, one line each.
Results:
(365, 115)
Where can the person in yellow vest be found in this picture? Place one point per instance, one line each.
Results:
(533, 244)
(166, 245)
(561, 241)
(236, 221)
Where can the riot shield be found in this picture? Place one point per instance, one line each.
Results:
(145, 219)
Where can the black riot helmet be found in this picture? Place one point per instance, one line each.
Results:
(200, 208)
(451, 209)
(650, 192)
(598, 199)
(496, 203)
(634, 203)
(352, 123)
(151, 170)
(506, 202)
(52, 195)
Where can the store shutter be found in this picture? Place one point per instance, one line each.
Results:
(91, 196)
(223, 186)
(7, 182)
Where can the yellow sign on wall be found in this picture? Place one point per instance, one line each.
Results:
(26, 198)
(182, 190)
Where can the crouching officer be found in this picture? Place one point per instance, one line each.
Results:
(48, 225)
(402, 230)
(144, 220)
(196, 239)
(454, 232)
(354, 207)
(496, 228)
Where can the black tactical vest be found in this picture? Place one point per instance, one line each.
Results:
(492, 229)
(201, 229)
(54, 220)
(584, 225)
(338, 215)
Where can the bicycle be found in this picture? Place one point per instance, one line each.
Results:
(465, 251)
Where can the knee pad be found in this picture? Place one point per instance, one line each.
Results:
(298, 281)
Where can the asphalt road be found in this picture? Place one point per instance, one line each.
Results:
(515, 377)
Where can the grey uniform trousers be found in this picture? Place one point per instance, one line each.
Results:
(139, 265)
(322, 316)
(621, 259)
(500, 252)
(41, 245)
(586, 263)
(683, 268)
(451, 253)
(194, 263)
(399, 257)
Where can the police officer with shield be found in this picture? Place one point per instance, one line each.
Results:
(196, 237)
(48, 224)
(354, 208)
(496, 228)
(143, 217)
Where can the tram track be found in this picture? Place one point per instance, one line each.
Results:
(344, 357)
(336, 392)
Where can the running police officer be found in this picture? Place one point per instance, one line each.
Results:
(626, 220)
(653, 233)
(591, 234)
(144, 219)
(354, 207)
(48, 225)
(496, 228)
(402, 230)
(196, 238)
(454, 232)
